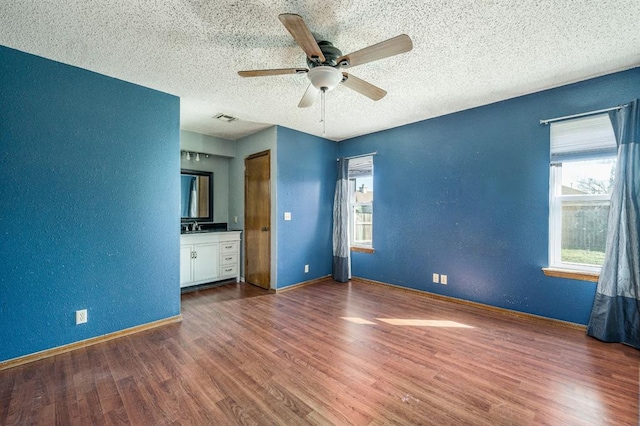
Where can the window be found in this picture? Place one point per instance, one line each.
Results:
(583, 160)
(361, 202)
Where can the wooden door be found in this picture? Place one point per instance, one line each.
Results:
(257, 227)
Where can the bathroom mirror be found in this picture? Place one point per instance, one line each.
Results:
(196, 190)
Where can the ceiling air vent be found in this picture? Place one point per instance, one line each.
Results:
(224, 117)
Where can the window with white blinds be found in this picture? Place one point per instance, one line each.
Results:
(583, 160)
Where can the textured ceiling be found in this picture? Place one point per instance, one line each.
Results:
(466, 53)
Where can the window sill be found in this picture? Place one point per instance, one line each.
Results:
(363, 249)
(573, 275)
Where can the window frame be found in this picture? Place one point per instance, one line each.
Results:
(352, 223)
(556, 202)
(359, 246)
(585, 137)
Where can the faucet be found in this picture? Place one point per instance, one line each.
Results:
(195, 226)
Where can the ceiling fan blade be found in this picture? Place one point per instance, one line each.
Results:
(384, 49)
(281, 71)
(301, 34)
(369, 90)
(309, 97)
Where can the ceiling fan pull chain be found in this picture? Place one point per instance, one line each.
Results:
(322, 114)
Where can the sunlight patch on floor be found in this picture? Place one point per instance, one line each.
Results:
(424, 323)
(409, 322)
(357, 320)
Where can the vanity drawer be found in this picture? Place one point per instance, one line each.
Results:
(229, 247)
(228, 259)
(229, 270)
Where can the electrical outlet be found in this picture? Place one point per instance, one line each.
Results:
(287, 215)
(81, 316)
(436, 278)
(306, 268)
(443, 279)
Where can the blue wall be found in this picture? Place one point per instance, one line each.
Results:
(467, 195)
(306, 174)
(89, 216)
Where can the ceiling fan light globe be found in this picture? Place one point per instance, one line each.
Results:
(324, 77)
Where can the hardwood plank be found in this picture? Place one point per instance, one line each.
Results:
(65, 398)
(235, 413)
(136, 402)
(16, 409)
(331, 353)
(105, 385)
(7, 385)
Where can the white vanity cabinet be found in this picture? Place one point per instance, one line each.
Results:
(209, 256)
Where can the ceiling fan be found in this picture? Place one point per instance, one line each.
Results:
(325, 61)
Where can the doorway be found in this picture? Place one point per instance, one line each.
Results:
(257, 231)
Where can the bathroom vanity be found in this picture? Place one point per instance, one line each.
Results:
(206, 257)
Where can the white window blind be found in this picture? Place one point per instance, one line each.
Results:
(582, 138)
(361, 166)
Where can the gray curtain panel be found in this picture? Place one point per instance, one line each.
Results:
(341, 253)
(615, 316)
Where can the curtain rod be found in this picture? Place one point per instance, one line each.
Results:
(358, 156)
(584, 114)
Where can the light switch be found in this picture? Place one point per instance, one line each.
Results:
(287, 215)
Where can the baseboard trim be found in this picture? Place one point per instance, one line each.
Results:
(495, 309)
(303, 284)
(15, 362)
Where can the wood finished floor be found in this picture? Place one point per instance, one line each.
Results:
(331, 353)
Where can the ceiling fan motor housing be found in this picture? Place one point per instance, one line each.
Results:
(330, 52)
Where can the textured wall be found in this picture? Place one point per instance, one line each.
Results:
(198, 142)
(467, 195)
(306, 182)
(89, 214)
